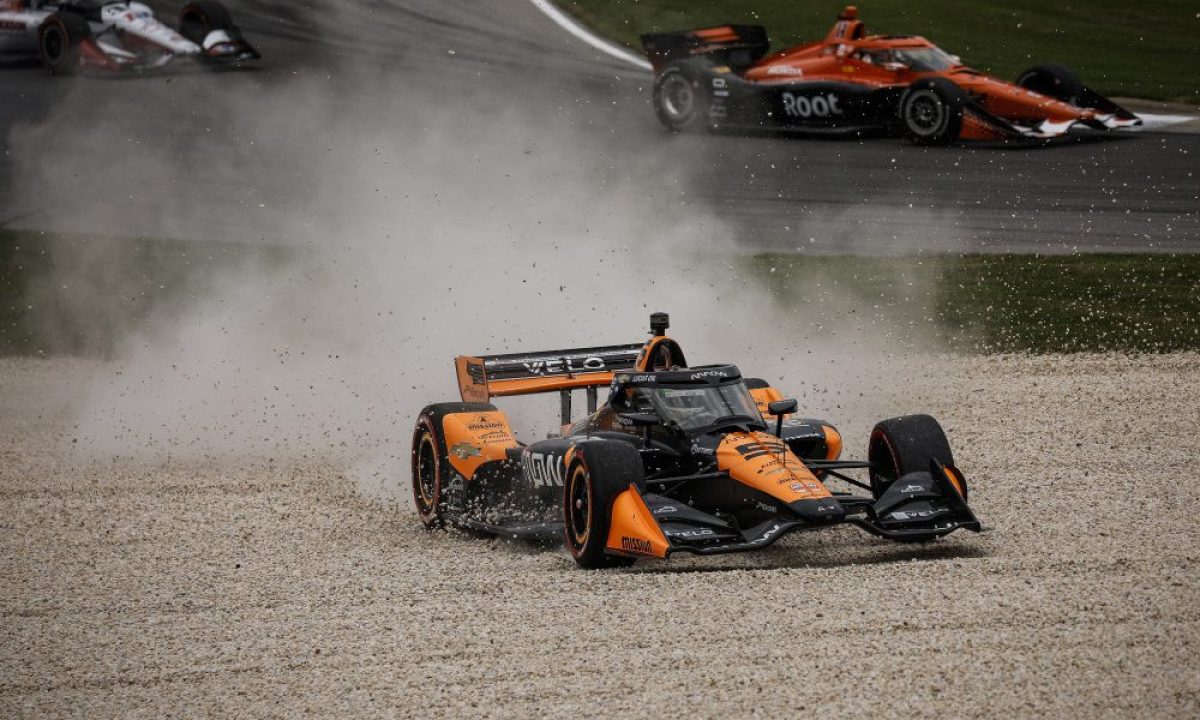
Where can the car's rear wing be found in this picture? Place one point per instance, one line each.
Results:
(484, 377)
(737, 45)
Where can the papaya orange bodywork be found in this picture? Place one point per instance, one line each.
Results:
(474, 438)
(833, 442)
(763, 397)
(765, 463)
(659, 353)
(956, 479)
(633, 530)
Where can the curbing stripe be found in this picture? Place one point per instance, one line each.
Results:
(604, 46)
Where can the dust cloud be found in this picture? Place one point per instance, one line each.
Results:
(414, 232)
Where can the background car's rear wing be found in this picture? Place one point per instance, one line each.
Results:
(484, 377)
(737, 45)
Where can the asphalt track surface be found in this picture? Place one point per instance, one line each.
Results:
(872, 196)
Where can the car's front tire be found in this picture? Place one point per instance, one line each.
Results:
(597, 474)
(931, 111)
(906, 444)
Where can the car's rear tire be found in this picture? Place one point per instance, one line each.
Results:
(680, 98)
(903, 445)
(59, 37)
(1053, 80)
(431, 469)
(200, 17)
(598, 473)
(931, 111)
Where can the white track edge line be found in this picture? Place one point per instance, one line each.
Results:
(566, 23)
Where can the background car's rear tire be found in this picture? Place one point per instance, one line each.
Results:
(598, 473)
(680, 98)
(1053, 80)
(197, 19)
(59, 37)
(903, 445)
(931, 111)
(431, 467)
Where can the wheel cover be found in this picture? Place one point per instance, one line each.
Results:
(579, 505)
(425, 475)
(677, 98)
(925, 113)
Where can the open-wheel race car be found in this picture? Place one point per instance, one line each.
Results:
(677, 459)
(73, 35)
(851, 83)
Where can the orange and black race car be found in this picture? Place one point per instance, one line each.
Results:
(853, 83)
(677, 459)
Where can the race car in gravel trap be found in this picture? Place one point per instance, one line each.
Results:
(851, 83)
(73, 35)
(677, 459)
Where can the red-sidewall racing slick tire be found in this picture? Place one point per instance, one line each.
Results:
(903, 445)
(598, 473)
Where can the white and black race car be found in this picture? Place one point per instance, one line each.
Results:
(71, 35)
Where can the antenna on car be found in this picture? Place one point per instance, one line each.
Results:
(659, 322)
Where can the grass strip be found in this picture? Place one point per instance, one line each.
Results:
(65, 295)
(74, 295)
(998, 303)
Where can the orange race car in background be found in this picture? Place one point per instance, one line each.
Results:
(854, 83)
(677, 459)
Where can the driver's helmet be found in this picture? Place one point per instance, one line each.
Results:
(626, 397)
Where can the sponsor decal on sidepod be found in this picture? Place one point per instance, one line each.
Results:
(805, 107)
